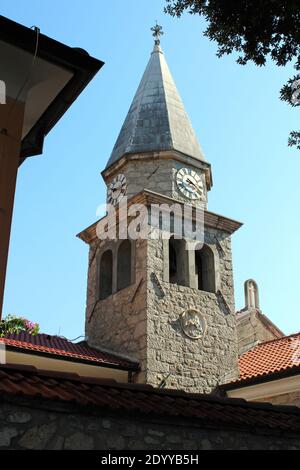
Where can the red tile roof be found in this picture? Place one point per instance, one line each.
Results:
(275, 356)
(133, 399)
(64, 349)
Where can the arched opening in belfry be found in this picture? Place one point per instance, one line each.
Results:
(177, 262)
(124, 265)
(105, 275)
(205, 269)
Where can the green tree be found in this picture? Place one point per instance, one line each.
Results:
(256, 30)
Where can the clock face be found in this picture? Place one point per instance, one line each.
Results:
(116, 190)
(189, 183)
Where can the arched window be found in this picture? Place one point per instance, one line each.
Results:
(177, 262)
(124, 265)
(205, 269)
(105, 275)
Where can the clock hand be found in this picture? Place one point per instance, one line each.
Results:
(191, 182)
(196, 187)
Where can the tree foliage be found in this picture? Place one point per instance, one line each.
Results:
(256, 30)
(13, 324)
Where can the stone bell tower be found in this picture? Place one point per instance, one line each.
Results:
(153, 299)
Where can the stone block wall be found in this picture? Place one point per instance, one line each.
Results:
(195, 365)
(118, 323)
(30, 425)
(253, 329)
(142, 321)
(157, 175)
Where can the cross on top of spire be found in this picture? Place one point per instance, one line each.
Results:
(157, 32)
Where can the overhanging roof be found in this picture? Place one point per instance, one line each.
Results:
(81, 67)
(61, 348)
(144, 401)
(269, 361)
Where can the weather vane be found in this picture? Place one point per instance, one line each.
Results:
(157, 32)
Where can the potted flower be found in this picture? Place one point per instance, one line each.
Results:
(14, 324)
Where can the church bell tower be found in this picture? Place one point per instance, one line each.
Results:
(163, 300)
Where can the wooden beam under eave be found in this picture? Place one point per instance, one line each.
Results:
(11, 125)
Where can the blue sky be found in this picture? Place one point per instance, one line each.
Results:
(240, 122)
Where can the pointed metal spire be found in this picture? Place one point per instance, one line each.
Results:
(156, 120)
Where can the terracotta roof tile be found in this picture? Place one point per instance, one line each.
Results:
(133, 398)
(58, 346)
(271, 357)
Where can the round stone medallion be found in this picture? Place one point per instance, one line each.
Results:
(193, 324)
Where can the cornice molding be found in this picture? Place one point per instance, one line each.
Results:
(116, 167)
(147, 198)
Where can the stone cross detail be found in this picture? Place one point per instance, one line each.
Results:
(251, 294)
(157, 32)
(252, 302)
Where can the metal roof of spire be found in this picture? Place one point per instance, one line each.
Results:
(156, 120)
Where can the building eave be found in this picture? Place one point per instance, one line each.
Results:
(57, 356)
(268, 390)
(106, 395)
(290, 372)
(83, 67)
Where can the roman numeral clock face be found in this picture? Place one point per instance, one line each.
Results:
(116, 190)
(189, 183)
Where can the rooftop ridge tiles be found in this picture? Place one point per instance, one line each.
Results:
(278, 340)
(193, 398)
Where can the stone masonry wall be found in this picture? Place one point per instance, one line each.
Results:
(252, 331)
(143, 323)
(27, 426)
(155, 175)
(195, 365)
(118, 323)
